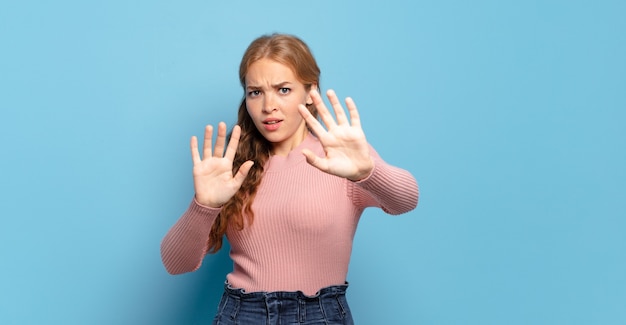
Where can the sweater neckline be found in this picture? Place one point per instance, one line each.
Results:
(295, 157)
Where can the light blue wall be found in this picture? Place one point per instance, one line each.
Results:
(511, 115)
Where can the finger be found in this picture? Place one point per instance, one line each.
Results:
(339, 113)
(327, 118)
(195, 155)
(242, 173)
(311, 121)
(315, 161)
(355, 119)
(208, 141)
(221, 140)
(231, 150)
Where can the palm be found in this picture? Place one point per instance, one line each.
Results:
(213, 178)
(345, 146)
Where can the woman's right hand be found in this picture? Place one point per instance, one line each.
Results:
(213, 177)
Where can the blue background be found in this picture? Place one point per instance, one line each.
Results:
(511, 115)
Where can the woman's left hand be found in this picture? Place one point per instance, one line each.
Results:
(345, 146)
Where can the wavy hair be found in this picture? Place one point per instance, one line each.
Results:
(294, 53)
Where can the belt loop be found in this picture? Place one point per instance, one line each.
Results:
(301, 310)
(267, 309)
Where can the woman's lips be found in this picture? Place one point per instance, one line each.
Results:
(272, 124)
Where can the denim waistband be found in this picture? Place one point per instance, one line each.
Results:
(330, 291)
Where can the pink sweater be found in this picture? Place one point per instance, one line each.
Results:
(304, 224)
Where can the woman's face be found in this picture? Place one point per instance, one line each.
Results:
(273, 94)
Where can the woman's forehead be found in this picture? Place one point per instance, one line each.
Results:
(267, 71)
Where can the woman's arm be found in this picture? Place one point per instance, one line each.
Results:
(184, 246)
(388, 187)
(347, 154)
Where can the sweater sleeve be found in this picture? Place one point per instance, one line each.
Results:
(184, 246)
(388, 187)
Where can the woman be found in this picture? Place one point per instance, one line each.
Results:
(287, 193)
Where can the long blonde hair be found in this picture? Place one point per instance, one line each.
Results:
(294, 53)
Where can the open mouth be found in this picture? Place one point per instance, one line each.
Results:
(272, 124)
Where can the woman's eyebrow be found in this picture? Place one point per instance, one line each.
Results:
(282, 84)
(278, 85)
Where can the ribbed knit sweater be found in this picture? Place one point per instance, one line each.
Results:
(304, 224)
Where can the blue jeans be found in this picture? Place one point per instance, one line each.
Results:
(329, 307)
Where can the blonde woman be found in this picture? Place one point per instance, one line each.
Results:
(286, 192)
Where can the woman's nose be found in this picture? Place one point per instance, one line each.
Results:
(269, 104)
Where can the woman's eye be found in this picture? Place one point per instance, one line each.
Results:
(253, 93)
(284, 90)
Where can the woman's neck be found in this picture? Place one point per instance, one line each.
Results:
(285, 147)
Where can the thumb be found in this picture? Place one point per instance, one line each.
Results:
(243, 172)
(314, 160)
